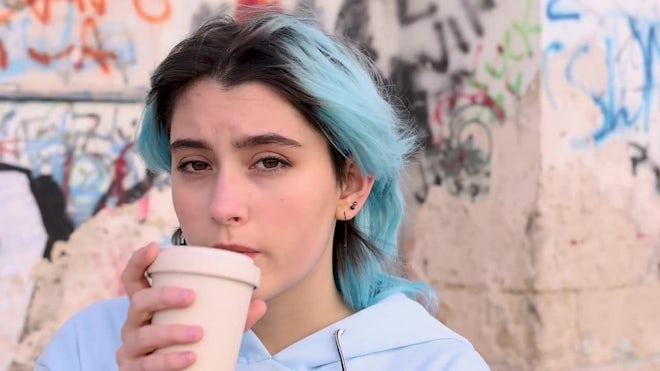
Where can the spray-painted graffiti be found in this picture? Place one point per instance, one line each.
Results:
(455, 87)
(248, 8)
(86, 148)
(639, 158)
(628, 48)
(70, 37)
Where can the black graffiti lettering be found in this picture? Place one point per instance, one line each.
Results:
(404, 16)
(442, 64)
(462, 44)
(639, 158)
(486, 4)
(473, 17)
(353, 23)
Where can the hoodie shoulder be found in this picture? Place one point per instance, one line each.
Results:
(437, 355)
(88, 340)
(410, 338)
(396, 333)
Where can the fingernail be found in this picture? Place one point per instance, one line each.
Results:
(187, 357)
(183, 295)
(194, 333)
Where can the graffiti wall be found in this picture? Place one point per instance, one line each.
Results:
(514, 99)
(611, 55)
(73, 75)
(599, 253)
(84, 47)
(461, 81)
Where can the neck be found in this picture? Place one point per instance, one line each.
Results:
(298, 313)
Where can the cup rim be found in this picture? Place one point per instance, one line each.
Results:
(205, 261)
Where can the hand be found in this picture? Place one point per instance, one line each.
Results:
(140, 338)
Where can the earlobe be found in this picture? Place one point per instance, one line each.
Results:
(355, 190)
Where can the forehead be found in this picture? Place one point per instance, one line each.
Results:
(207, 106)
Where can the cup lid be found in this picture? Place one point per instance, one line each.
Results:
(207, 261)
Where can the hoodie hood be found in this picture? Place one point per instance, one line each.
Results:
(393, 323)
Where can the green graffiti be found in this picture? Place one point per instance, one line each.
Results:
(523, 30)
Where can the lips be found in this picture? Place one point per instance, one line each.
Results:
(238, 249)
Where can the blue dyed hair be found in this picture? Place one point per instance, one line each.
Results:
(337, 90)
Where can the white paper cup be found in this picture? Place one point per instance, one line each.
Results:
(223, 282)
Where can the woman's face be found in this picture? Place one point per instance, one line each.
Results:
(249, 173)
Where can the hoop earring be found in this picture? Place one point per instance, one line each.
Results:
(353, 205)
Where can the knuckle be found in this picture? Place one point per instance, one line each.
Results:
(140, 300)
(143, 336)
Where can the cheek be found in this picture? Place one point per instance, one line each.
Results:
(302, 216)
(186, 206)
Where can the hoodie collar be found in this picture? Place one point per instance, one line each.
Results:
(394, 322)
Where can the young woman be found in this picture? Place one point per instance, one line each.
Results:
(280, 146)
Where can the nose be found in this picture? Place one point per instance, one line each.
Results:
(228, 206)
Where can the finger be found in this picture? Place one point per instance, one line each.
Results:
(256, 310)
(133, 274)
(171, 361)
(146, 339)
(147, 301)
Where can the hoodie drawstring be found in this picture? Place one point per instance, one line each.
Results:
(338, 335)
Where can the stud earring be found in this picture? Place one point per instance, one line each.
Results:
(353, 205)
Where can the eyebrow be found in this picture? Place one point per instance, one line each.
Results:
(190, 144)
(247, 141)
(262, 139)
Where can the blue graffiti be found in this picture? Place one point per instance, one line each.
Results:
(618, 113)
(555, 14)
(76, 152)
(647, 38)
(27, 33)
(554, 47)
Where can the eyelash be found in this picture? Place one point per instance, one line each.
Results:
(282, 164)
(183, 166)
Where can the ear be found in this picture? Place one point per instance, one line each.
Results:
(354, 192)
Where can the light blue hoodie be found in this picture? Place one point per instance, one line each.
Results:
(394, 334)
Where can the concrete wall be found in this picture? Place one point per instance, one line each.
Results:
(558, 267)
(533, 208)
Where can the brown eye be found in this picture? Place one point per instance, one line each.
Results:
(270, 163)
(198, 165)
(194, 166)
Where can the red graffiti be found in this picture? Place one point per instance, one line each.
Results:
(163, 16)
(46, 58)
(89, 45)
(98, 5)
(87, 50)
(5, 144)
(246, 9)
(4, 60)
(4, 17)
(42, 11)
(101, 57)
(446, 105)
